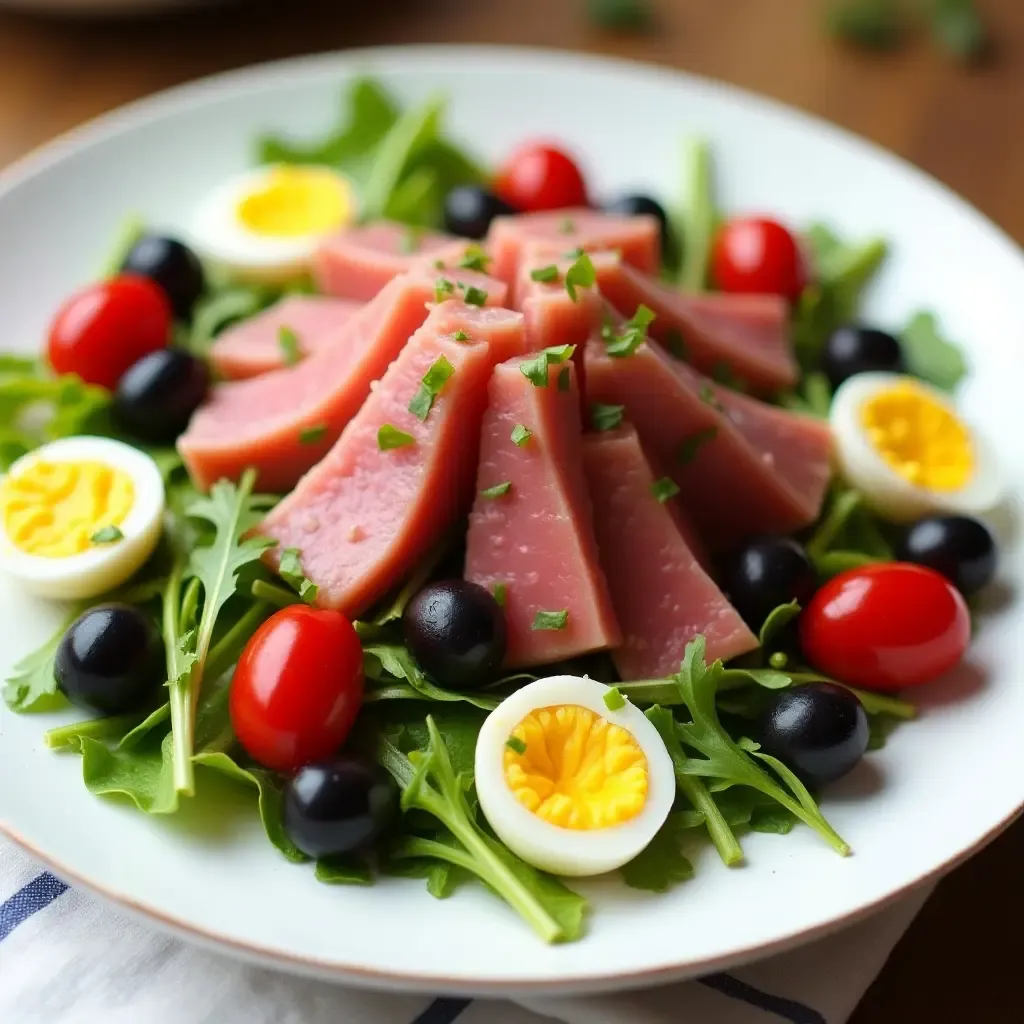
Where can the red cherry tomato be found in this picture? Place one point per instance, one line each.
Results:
(758, 256)
(297, 687)
(106, 328)
(539, 177)
(886, 627)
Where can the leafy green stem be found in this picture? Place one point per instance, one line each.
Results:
(698, 217)
(279, 597)
(824, 536)
(179, 666)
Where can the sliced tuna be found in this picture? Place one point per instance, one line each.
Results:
(536, 540)
(255, 346)
(553, 317)
(638, 238)
(284, 422)
(364, 517)
(744, 467)
(741, 336)
(661, 595)
(358, 262)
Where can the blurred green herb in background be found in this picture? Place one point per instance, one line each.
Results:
(624, 15)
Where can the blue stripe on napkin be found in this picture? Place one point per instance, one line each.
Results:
(442, 1011)
(39, 893)
(788, 1009)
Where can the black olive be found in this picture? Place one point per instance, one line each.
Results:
(854, 348)
(155, 399)
(110, 660)
(170, 264)
(632, 206)
(819, 730)
(961, 548)
(456, 631)
(337, 807)
(469, 210)
(767, 572)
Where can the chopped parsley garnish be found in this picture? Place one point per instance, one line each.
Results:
(633, 334)
(563, 379)
(107, 535)
(288, 342)
(574, 254)
(291, 571)
(500, 594)
(389, 437)
(460, 336)
(664, 489)
(521, 434)
(410, 241)
(498, 490)
(606, 417)
(433, 380)
(536, 370)
(580, 275)
(439, 264)
(559, 353)
(567, 226)
(475, 296)
(674, 343)
(443, 289)
(613, 699)
(551, 620)
(545, 274)
(475, 258)
(516, 744)
(688, 448)
(310, 435)
(708, 396)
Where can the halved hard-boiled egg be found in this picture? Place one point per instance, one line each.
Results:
(904, 446)
(265, 224)
(572, 784)
(79, 516)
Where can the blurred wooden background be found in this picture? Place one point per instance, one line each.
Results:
(961, 124)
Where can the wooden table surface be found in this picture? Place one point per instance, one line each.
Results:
(959, 124)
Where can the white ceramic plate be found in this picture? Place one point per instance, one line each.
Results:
(942, 788)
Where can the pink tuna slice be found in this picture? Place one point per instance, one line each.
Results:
(745, 334)
(284, 422)
(363, 518)
(358, 262)
(638, 238)
(552, 317)
(538, 539)
(662, 596)
(254, 346)
(744, 467)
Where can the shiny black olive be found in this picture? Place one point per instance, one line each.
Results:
(170, 264)
(110, 660)
(156, 397)
(854, 348)
(337, 807)
(456, 631)
(765, 573)
(819, 730)
(961, 548)
(632, 206)
(469, 210)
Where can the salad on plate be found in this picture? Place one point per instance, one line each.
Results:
(485, 527)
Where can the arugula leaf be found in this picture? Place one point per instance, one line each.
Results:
(219, 308)
(343, 871)
(69, 737)
(430, 387)
(929, 355)
(32, 686)
(581, 274)
(778, 619)
(430, 784)
(698, 216)
(396, 661)
(144, 775)
(416, 198)
(291, 571)
(661, 864)
(390, 437)
(606, 417)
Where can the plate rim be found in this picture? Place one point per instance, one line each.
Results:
(237, 81)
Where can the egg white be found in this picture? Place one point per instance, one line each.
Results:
(885, 490)
(105, 566)
(218, 234)
(564, 851)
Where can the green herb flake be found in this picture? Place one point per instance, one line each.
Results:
(475, 296)
(288, 342)
(389, 437)
(515, 744)
(410, 241)
(613, 699)
(621, 15)
(475, 258)
(521, 435)
(501, 594)
(567, 226)
(460, 336)
(433, 380)
(564, 379)
(708, 397)
(107, 535)
(929, 355)
(443, 289)
(439, 264)
(497, 491)
(664, 489)
(311, 435)
(690, 446)
(291, 571)
(606, 417)
(545, 274)
(633, 335)
(536, 370)
(551, 620)
(559, 353)
(580, 275)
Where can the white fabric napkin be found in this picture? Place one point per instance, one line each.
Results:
(66, 958)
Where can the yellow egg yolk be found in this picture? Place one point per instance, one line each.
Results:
(297, 201)
(577, 770)
(919, 437)
(53, 509)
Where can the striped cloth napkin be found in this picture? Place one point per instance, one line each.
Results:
(66, 958)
